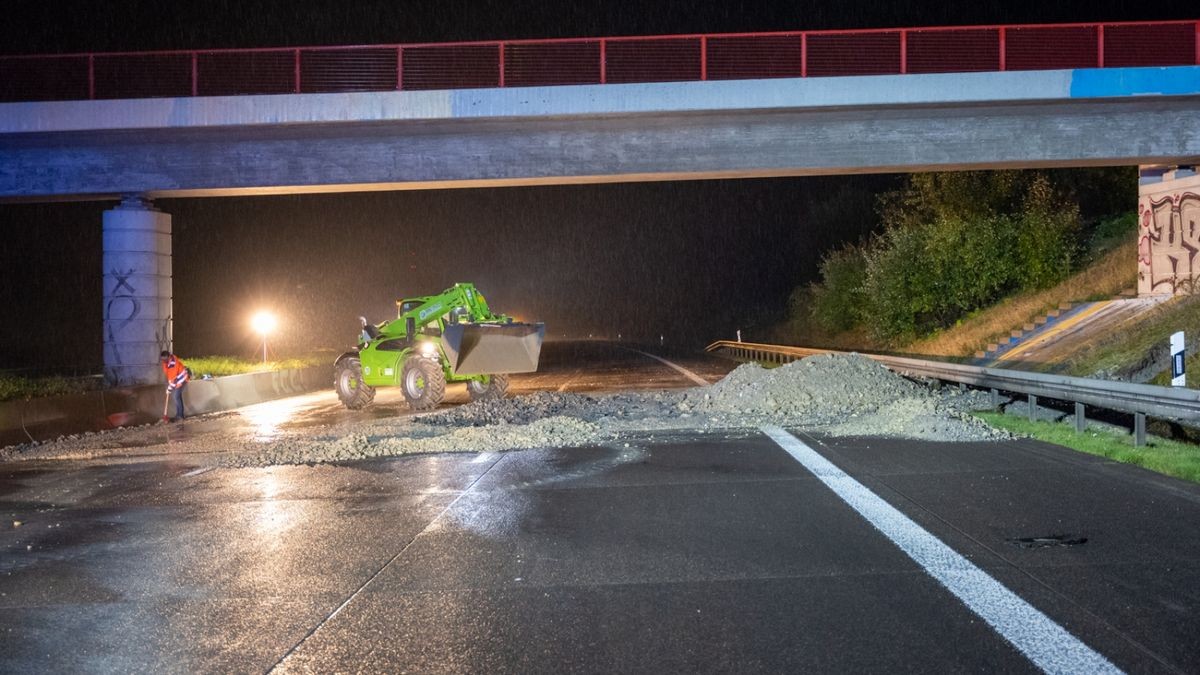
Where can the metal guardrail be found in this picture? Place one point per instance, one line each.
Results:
(599, 60)
(1141, 400)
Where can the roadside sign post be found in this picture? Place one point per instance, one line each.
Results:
(1178, 378)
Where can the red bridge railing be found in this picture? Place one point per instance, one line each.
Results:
(522, 63)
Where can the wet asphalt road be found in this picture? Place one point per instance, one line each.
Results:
(689, 553)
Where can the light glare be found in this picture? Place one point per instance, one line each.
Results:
(263, 323)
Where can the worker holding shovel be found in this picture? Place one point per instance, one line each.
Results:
(177, 378)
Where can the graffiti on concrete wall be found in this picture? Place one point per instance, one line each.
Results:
(120, 310)
(162, 335)
(1168, 243)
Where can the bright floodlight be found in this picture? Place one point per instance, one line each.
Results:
(263, 323)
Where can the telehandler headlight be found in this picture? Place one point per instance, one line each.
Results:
(428, 349)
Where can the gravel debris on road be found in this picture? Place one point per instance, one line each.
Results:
(840, 395)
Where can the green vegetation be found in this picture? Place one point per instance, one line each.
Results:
(218, 366)
(1191, 365)
(1173, 458)
(954, 244)
(17, 387)
(839, 303)
(1112, 232)
(1110, 273)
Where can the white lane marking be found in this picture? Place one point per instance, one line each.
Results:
(1048, 645)
(197, 472)
(687, 373)
(483, 457)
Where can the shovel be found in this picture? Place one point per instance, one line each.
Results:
(166, 402)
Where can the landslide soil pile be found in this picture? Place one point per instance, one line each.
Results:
(839, 395)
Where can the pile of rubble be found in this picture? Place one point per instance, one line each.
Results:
(840, 395)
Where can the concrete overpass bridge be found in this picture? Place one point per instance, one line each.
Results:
(575, 111)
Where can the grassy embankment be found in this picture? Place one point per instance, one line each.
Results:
(17, 387)
(1125, 353)
(1122, 352)
(218, 366)
(1112, 272)
(1172, 458)
(1128, 351)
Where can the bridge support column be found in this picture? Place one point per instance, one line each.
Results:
(137, 291)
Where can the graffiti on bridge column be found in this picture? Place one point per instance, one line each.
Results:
(120, 310)
(162, 335)
(1168, 243)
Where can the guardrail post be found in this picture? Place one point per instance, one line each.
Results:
(1080, 418)
(995, 396)
(91, 77)
(296, 74)
(1033, 408)
(1139, 429)
(703, 58)
(903, 52)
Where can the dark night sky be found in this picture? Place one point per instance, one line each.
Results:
(696, 259)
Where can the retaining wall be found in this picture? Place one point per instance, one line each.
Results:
(53, 416)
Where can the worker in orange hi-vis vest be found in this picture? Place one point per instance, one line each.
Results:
(177, 378)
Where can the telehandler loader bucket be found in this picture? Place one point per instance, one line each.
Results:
(493, 348)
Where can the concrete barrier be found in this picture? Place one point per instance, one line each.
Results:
(52, 416)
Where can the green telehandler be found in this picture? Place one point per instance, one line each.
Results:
(449, 337)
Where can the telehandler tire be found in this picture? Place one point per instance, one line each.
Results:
(348, 382)
(494, 388)
(423, 382)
